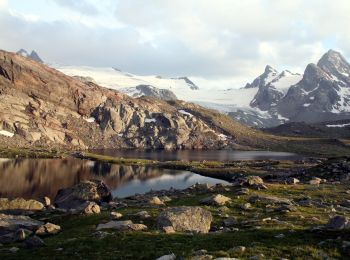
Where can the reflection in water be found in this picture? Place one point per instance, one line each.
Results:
(34, 178)
(199, 155)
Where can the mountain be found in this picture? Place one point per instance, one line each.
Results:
(135, 85)
(33, 55)
(339, 129)
(43, 107)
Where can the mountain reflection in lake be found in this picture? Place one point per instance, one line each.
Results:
(34, 178)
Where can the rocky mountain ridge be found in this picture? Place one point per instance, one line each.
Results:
(41, 106)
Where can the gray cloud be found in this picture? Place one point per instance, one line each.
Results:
(211, 39)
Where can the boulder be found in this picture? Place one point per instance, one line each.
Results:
(315, 181)
(292, 181)
(156, 201)
(20, 204)
(74, 197)
(186, 219)
(48, 229)
(122, 226)
(217, 200)
(254, 180)
(12, 223)
(34, 242)
(115, 215)
(167, 257)
(89, 208)
(338, 223)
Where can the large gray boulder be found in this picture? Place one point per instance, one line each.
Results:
(74, 197)
(338, 223)
(186, 219)
(13, 222)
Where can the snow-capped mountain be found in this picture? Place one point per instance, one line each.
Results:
(33, 55)
(273, 98)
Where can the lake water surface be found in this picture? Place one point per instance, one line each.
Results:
(199, 155)
(34, 178)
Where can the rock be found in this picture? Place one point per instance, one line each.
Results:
(315, 181)
(34, 242)
(73, 197)
(269, 199)
(230, 222)
(168, 230)
(12, 223)
(122, 226)
(226, 258)
(89, 208)
(254, 180)
(21, 234)
(13, 249)
(165, 199)
(292, 181)
(155, 201)
(48, 229)
(237, 250)
(46, 201)
(20, 204)
(167, 257)
(186, 219)
(143, 214)
(202, 257)
(115, 215)
(338, 223)
(217, 200)
(242, 191)
(246, 206)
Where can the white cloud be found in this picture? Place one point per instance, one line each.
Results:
(223, 39)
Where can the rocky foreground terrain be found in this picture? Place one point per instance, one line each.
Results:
(270, 210)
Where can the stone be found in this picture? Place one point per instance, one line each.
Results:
(85, 191)
(254, 180)
(237, 250)
(115, 215)
(46, 201)
(226, 258)
(167, 257)
(143, 214)
(230, 222)
(48, 229)
(292, 181)
(21, 234)
(122, 226)
(186, 219)
(217, 200)
(315, 181)
(13, 249)
(202, 257)
(89, 208)
(246, 206)
(33, 242)
(155, 201)
(14, 222)
(338, 223)
(20, 204)
(165, 199)
(168, 230)
(269, 199)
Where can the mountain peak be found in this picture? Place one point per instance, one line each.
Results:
(33, 55)
(334, 63)
(268, 69)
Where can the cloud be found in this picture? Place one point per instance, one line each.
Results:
(227, 40)
(81, 6)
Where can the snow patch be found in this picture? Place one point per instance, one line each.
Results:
(150, 120)
(222, 137)
(90, 119)
(341, 125)
(6, 133)
(185, 112)
(306, 105)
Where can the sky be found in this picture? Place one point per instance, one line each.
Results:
(228, 42)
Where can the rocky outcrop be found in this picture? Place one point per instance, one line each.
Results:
(19, 204)
(150, 91)
(186, 219)
(78, 196)
(43, 107)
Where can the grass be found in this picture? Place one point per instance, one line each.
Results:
(77, 240)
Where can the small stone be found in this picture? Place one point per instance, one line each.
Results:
(115, 215)
(143, 215)
(218, 200)
(202, 257)
(338, 223)
(229, 222)
(168, 230)
(34, 242)
(48, 229)
(280, 236)
(237, 250)
(90, 208)
(292, 181)
(156, 201)
(315, 181)
(46, 201)
(246, 206)
(13, 249)
(243, 191)
(20, 235)
(167, 257)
